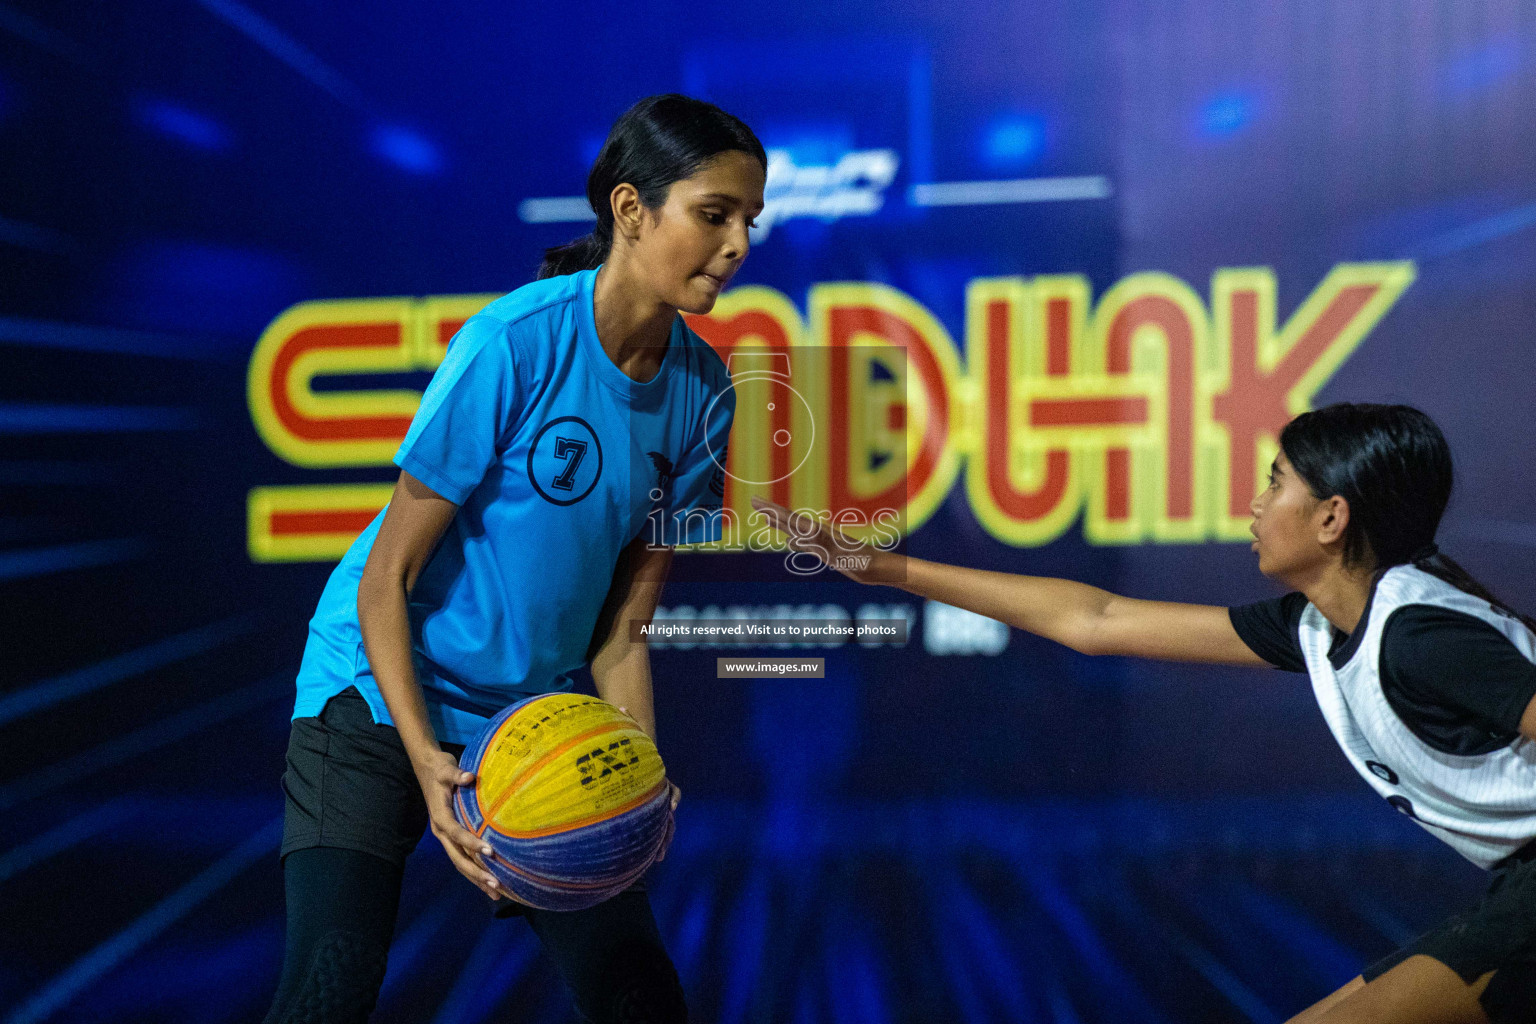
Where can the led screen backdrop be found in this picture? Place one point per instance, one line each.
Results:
(1048, 276)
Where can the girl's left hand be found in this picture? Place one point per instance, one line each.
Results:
(666, 840)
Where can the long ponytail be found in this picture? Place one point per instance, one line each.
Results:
(1393, 466)
(585, 253)
(658, 141)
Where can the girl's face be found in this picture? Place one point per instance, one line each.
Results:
(689, 249)
(1293, 530)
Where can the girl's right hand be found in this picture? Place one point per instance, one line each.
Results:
(858, 560)
(439, 775)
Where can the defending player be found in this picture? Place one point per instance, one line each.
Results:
(567, 419)
(1425, 678)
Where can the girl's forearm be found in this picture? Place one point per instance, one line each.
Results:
(1061, 610)
(621, 667)
(626, 683)
(385, 621)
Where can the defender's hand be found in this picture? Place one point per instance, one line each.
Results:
(858, 560)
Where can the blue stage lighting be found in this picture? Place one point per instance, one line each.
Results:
(177, 122)
(178, 285)
(1482, 67)
(1013, 141)
(591, 146)
(407, 149)
(1226, 114)
(810, 143)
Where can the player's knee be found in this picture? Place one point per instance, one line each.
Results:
(651, 1002)
(648, 992)
(340, 986)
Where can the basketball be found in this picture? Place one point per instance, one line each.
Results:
(571, 796)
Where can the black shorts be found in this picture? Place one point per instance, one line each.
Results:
(1498, 934)
(349, 783)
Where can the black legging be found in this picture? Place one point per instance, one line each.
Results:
(341, 916)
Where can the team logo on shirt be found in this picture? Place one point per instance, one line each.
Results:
(665, 473)
(565, 460)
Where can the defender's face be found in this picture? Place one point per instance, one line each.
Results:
(690, 248)
(1285, 526)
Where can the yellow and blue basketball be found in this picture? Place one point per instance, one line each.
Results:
(570, 794)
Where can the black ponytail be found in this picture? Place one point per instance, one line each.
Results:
(585, 253)
(1393, 466)
(1437, 564)
(658, 141)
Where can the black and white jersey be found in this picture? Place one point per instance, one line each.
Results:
(1424, 697)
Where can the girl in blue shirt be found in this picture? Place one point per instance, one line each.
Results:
(568, 422)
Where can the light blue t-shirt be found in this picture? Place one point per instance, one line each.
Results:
(557, 460)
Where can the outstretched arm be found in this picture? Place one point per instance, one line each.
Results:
(1083, 617)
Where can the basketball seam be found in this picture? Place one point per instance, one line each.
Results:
(490, 811)
(592, 819)
(490, 744)
(562, 884)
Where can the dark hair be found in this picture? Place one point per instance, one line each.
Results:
(1391, 463)
(658, 141)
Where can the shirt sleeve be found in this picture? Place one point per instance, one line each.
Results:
(1452, 660)
(466, 411)
(1271, 630)
(693, 504)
